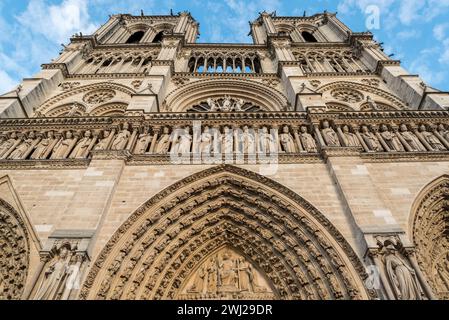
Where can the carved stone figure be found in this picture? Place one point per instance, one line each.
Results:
(433, 141)
(73, 111)
(238, 104)
(163, 143)
(143, 140)
(373, 105)
(370, 139)
(308, 142)
(82, 147)
(228, 147)
(121, 139)
(287, 142)
(206, 141)
(443, 132)
(246, 275)
(266, 140)
(43, 147)
(391, 139)
(103, 143)
(402, 277)
(350, 138)
(329, 135)
(63, 146)
(227, 104)
(22, 148)
(411, 139)
(185, 141)
(248, 141)
(55, 276)
(212, 105)
(8, 144)
(198, 284)
(212, 277)
(228, 275)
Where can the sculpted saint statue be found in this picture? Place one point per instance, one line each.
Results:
(248, 141)
(185, 141)
(198, 282)
(43, 146)
(55, 277)
(370, 139)
(307, 140)
(228, 147)
(287, 142)
(329, 135)
(22, 148)
(212, 279)
(238, 105)
(63, 146)
(411, 139)
(443, 132)
(227, 104)
(103, 143)
(206, 141)
(81, 148)
(164, 142)
(373, 105)
(350, 138)
(143, 140)
(121, 139)
(226, 270)
(267, 144)
(433, 141)
(391, 139)
(8, 144)
(246, 276)
(73, 111)
(402, 277)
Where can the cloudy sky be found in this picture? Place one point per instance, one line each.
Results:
(415, 31)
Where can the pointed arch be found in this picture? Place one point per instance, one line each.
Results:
(430, 234)
(154, 252)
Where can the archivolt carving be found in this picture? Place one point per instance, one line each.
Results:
(194, 93)
(65, 109)
(346, 85)
(154, 253)
(430, 230)
(109, 109)
(14, 253)
(48, 105)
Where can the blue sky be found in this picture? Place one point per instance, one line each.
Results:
(31, 31)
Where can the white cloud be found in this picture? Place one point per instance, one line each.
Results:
(408, 34)
(57, 22)
(439, 31)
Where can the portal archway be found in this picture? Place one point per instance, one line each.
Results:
(430, 232)
(293, 250)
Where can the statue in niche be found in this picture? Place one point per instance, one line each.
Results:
(213, 107)
(411, 139)
(267, 144)
(212, 279)
(248, 141)
(228, 147)
(238, 104)
(350, 138)
(443, 132)
(402, 277)
(198, 283)
(22, 148)
(287, 142)
(8, 144)
(143, 140)
(163, 143)
(206, 141)
(63, 146)
(373, 105)
(391, 139)
(370, 139)
(185, 141)
(121, 139)
(308, 142)
(227, 274)
(246, 275)
(42, 147)
(433, 141)
(329, 135)
(82, 147)
(103, 144)
(55, 276)
(443, 271)
(227, 104)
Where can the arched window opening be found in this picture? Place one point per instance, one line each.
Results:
(257, 67)
(135, 37)
(158, 37)
(191, 64)
(308, 37)
(200, 65)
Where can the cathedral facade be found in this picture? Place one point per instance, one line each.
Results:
(307, 165)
